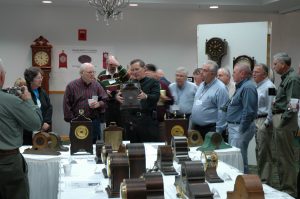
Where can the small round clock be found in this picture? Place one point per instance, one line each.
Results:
(41, 58)
(177, 130)
(81, 132)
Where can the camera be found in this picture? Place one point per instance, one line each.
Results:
(17, 91)
(272, 92)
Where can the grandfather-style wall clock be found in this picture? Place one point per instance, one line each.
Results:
(41, 57)
(216, 48)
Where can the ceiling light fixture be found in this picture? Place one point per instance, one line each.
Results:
(109, 9)
(133, 5)
(214, 7)
(47, 2)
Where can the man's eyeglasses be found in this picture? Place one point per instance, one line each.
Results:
(90, 72)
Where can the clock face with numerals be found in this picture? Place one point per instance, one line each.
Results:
(215, 47)
(41, 58)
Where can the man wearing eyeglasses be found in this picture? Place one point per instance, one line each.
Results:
(87, 94)
(111, 79)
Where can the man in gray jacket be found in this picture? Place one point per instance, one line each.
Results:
(16, 114)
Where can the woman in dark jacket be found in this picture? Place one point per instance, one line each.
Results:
(34, 78)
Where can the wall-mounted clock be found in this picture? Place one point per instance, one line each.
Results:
(216, 48)
(244, 59)
(41, 57)
(41, 52)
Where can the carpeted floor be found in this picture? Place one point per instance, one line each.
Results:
(275, 179)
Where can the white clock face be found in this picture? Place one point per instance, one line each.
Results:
(62, 59)
(41, 58)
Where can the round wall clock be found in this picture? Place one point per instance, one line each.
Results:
(216, 48)
(41, 58)
(41, 53)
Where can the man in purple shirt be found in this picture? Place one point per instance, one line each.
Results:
(78, 95)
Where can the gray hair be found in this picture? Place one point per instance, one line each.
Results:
(83, 67)
(197, 71)
(182, 70)
(226, 71)
(213, 66)
(283, 58)
(244, 67)
(264, 67)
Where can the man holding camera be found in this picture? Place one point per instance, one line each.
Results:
(263, 122)
(16, 114)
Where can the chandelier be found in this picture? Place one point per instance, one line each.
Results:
(109, 9)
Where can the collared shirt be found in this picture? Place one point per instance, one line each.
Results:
(242, 108)
(76, 97)
(112, 82)
(184, 96)
(264, 99)
(288, 88)
(208, 103)
(16, 115)
(231, 88)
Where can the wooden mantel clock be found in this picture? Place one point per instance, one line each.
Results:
(41, 57)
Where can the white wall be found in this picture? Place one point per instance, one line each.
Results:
(242, 39)
(167, 38)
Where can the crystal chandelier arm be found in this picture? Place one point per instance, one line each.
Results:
(109, 8)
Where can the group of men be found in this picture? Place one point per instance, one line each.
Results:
(238, 110)
(249, 108)
(212, 104)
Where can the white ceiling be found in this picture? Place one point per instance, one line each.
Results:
(274, 6)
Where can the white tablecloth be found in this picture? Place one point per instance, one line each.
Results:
(87, 181)
(43, 175)
(231, 156)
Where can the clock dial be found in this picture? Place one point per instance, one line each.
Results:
(81, 132)
(63, 59)
(41, 58)
(215, 48)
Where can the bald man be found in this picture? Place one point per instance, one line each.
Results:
(77, 94)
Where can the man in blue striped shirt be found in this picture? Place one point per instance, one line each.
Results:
(242, 111)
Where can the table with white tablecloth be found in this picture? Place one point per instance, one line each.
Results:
(87, 181)
(44, 172)
(43, 175)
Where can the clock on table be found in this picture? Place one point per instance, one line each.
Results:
(216, 48)
(41, 57)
